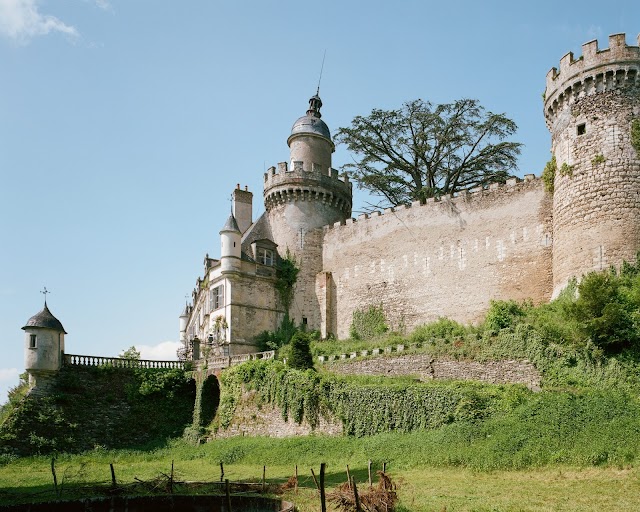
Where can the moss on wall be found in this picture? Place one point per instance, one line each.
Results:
(101, 406)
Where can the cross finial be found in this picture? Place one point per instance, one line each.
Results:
(45, 292)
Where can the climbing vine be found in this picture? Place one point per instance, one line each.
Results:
(549, 174)
(287, 272)
(364, 405)
(566, 170)
(635, 135)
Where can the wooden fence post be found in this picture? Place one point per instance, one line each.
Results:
(296, 479)
(369, 469)
(264, 477)
(315, 479)
(355, 495)
(323, 502)
(171, 479)
(55, 478)
(113, 475)
(221, 471)
(348, 477)
(228, 495)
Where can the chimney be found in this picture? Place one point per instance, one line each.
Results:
(243, 208)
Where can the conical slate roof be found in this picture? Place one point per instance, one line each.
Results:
(230, 225)
(45, 319)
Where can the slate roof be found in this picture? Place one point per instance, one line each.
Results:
(45, 319)
(230, 225)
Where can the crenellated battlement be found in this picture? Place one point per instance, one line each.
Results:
(303, 181)
(479, 195)
(594, 72)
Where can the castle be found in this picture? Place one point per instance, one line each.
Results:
(448, 257)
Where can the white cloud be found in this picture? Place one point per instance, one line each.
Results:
(9, 378)
(21, 21)
(165, 351)
(8, 374)
(103, 4)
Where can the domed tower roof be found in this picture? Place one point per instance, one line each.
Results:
(45, 319)
(311, 124)
(230, 226)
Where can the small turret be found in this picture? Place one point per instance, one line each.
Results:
(184, 318)
(230, 250)
(44, 349)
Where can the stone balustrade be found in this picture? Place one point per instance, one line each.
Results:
(217, 362)
(118, 362)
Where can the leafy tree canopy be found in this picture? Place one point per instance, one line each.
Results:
(421, 151)
(130, 353)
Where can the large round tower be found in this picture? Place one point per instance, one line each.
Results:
(591, 106)
(300, 197)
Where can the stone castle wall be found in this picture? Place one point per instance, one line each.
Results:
(425, 367)
(445, 258)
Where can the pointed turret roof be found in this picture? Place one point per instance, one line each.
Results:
(45, 319)
(231, 225)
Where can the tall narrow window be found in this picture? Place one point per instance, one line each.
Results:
(217, 297)
(33, 341)
(582, 129)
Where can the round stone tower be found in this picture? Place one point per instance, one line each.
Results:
(591, 106)
(302, 196)
(43, 349)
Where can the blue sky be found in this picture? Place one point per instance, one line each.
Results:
(125, 124)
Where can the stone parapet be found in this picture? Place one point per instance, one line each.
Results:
(595, 71)
(307, 183)
(478, 196)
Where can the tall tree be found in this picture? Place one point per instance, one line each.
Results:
(421, 151)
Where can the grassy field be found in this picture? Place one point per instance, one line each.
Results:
(420, 487)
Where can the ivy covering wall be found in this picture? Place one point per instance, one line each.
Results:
(104, 406)
(364, 405)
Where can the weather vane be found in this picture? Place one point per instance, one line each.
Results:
(321, 68)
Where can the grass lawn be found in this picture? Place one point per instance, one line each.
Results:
(420, 488)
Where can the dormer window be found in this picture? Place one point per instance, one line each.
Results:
(265, 256)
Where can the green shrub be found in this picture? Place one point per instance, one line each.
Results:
(635, 134)
(443, 328)
(274, 340)
(300, 356)
(368, 323)
(503, 314)
(606, 311)
(549, 174)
